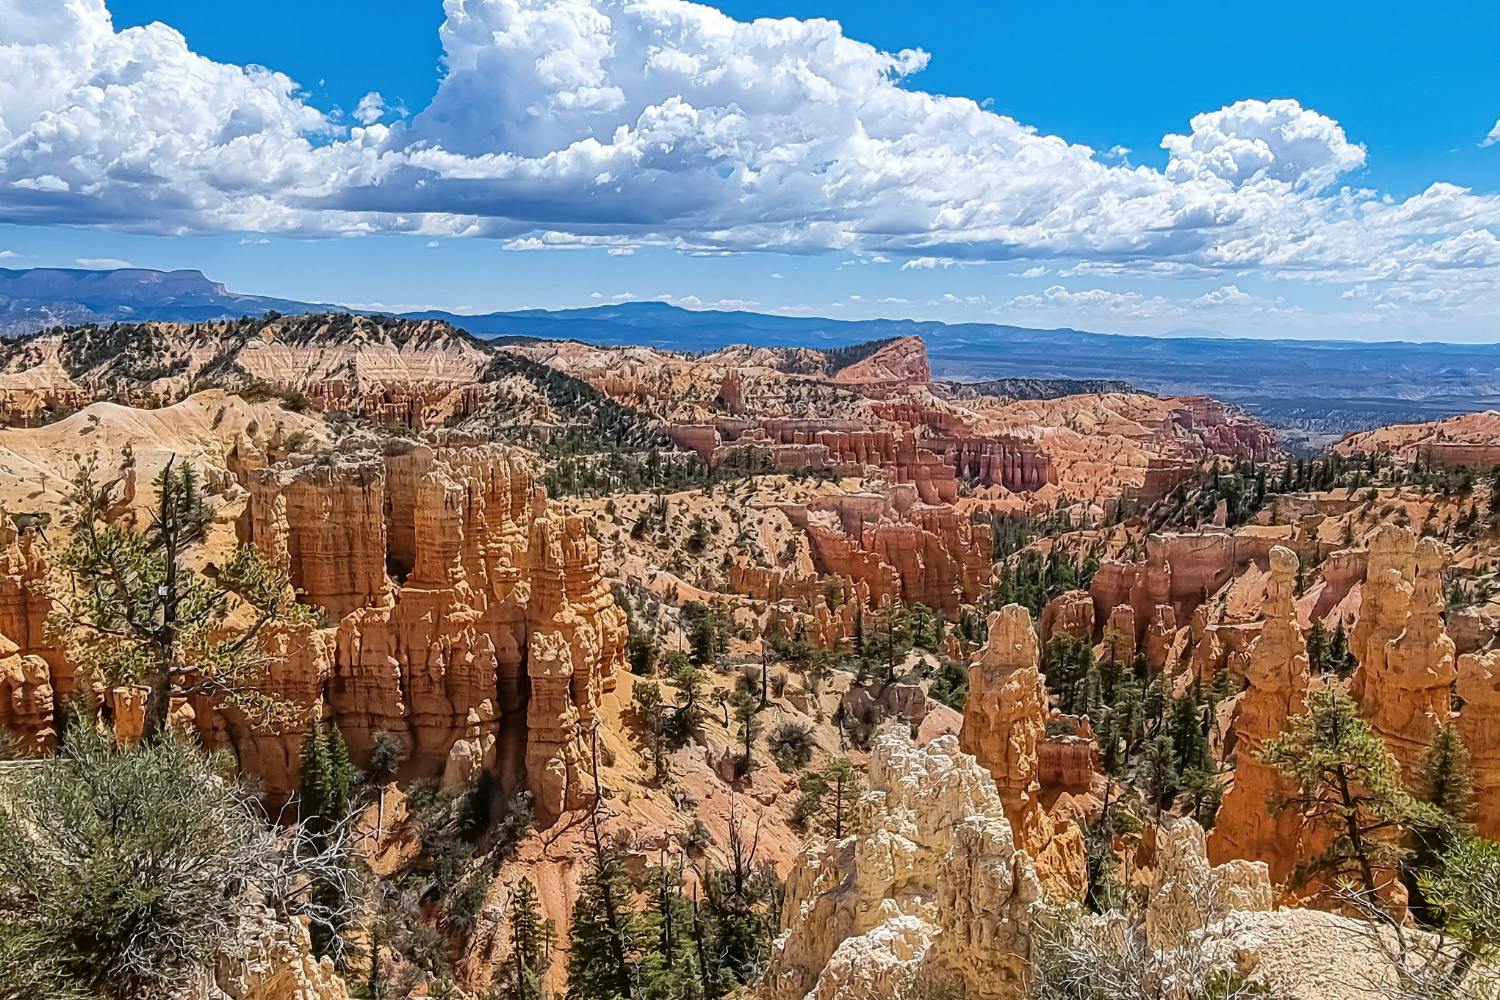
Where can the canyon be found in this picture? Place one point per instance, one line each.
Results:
(506, 550)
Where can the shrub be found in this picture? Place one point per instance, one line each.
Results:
(791, 746)
(126, 871)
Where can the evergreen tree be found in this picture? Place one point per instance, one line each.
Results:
(746, 716)
(1444, 779)
(829, 797)
(521, 976)
(1346, 781)
(133, 611)
(604, 934)
(688, 682)
(669, 962)
(325, 787)
(741, 914)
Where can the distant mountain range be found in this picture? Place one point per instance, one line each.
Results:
(1320, 387)
(35, 299)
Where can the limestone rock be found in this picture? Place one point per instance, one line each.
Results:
(930, 882)
(1407, 662)
(1071, 613)
(273, 962)
(464, 613)
(1188, 893)
(1005, 724)
(1277, 670)
(1479, 725)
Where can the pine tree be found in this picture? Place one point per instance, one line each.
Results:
(845, 786)
(133, 611)
(1443, 777)
(669, 963)
(603, 935)
(1444, 781)
(1345, 781)
(530, 947)
(1317, 647)
(746, 717)
(650, 712)
(325, 788)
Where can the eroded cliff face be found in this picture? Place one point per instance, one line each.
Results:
(931, 880)
(465, 616)
(1005, 725)
(933, 888)
(1407, 662)
(1276, 670)
(33, 675)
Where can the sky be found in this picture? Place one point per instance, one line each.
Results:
(1291, 171)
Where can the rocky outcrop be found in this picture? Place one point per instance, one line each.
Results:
(1071, 613)
(932, 881)
(894, 549)
(1407, 663)
(901, 361)
(1278, 675)
(273, 961)
(1005, 724)
(1187, 893)
(34, 676)
(1479, 725)
(490, 647)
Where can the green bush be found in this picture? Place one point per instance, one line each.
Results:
(126, 871)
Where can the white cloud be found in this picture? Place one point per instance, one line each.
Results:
(371, 108)
(605, 123)
(1494, 135)
(433, 244)
(255, 241)
(7, 254)
(777, 275)
(1034, 272)
(1225, 295)
(1255, 141)
(103, 263)
(928, 263)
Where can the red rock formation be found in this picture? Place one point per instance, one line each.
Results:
(324, 524)
(1479, 725)
(1068, 761)
(898, 551)
(1005, 722)
(1071, 613)
(902, 361)
(34, 676)
(1161, 631)
(1119, 641)
(1278, 674)
(501, 635)
(1406, 661)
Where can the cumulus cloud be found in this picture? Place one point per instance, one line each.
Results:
(1255, 141)
(1225, 295)
(371, 108)
(614, 124)
(102, 263)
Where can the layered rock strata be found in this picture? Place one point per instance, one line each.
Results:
(1005, 725)
(493, 642)
(1407, 662)
(1276, 669)
(931, 881)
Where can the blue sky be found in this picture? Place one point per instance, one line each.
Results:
(1313, 218)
